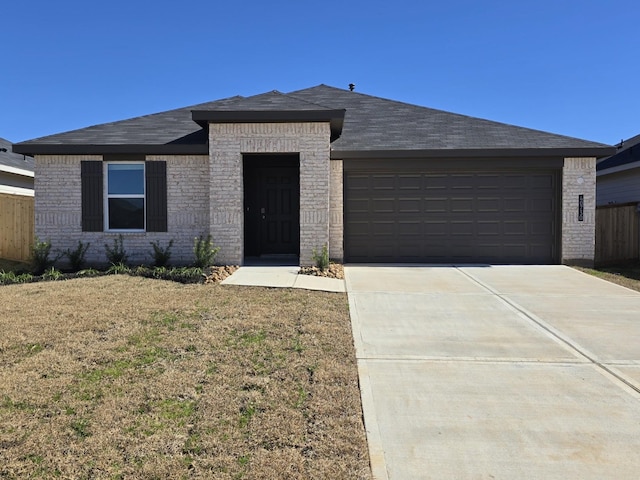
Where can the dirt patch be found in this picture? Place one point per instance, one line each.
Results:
(335, 270)
(130, 377)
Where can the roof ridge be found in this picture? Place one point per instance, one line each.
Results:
(459, 115)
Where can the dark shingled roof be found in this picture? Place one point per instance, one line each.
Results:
(371, 124)
(628, 152)
(10, 159)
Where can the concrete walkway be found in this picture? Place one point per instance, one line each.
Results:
(286, 277)
(505, 372)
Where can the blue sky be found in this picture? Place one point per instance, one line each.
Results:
(564, 66)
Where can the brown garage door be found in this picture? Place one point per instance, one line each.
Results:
(452, 216)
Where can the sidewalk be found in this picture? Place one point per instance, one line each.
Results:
(282, 277)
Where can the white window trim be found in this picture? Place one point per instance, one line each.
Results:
(106, 196)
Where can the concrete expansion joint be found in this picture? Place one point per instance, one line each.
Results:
(578, 350)
(479, 360)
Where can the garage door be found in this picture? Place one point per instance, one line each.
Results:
(452, 216)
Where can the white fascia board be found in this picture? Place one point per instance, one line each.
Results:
(26, 192)
(16, 171)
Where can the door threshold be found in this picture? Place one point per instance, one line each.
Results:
(274, 260)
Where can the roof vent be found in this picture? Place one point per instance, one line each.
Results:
(352, 86)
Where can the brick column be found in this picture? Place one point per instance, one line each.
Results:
(578, 234)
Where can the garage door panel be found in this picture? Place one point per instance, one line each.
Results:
(542, 205)
(435, 228)
(488, 204)
(451, 217)
(383, 205)
(436, 205)
(462, 228)
(410, 182)
(409, 205)
(383, 182)
(491, 228)
(464, 205)
(515, 204)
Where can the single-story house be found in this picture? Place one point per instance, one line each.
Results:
(282, 174)
(16, 171)
(618, 176)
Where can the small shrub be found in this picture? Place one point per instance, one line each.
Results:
(116, 255)
(52, 274)
(118, 269)
(88, 272)
(76, 256)
(161, 255)
(24, 278)
(7, 278)
(40, 256)
(185, 275)
(204, 252)
(322, 258)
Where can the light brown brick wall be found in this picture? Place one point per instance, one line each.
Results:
(58, 208)
(578, 237)
(227, 144)
(336, 211)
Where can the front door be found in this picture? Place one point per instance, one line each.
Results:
(272, 206)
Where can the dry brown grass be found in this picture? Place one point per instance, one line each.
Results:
(626, 275)
(126, 377)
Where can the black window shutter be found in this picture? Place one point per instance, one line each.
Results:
(91, 180)
(156, 194)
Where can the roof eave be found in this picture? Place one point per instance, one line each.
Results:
(597, 152)
(96, 149)
(334, 117)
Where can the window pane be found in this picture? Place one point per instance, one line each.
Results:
(126, 213)
(126, 179)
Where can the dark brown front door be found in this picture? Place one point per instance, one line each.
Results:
(272, 206)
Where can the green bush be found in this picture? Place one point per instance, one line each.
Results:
(116, 255)
(52, 274)
(40, 256)
(76, 256)
(322, 258)
(161, 255)
(204, 252)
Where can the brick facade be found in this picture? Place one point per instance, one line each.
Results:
(228, 142)
(578, 235)
(58, 209)
(205, 195)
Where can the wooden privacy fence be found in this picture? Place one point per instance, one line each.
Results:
(617, 239)
(16, 226)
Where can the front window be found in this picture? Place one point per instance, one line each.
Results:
(124, 201)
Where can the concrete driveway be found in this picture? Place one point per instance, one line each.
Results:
(502, 372)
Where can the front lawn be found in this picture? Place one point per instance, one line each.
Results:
(627, 275)
(128, 377)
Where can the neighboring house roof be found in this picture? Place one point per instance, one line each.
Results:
(13, 162)
(371, 126)
(627, 157)
(16, 171)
